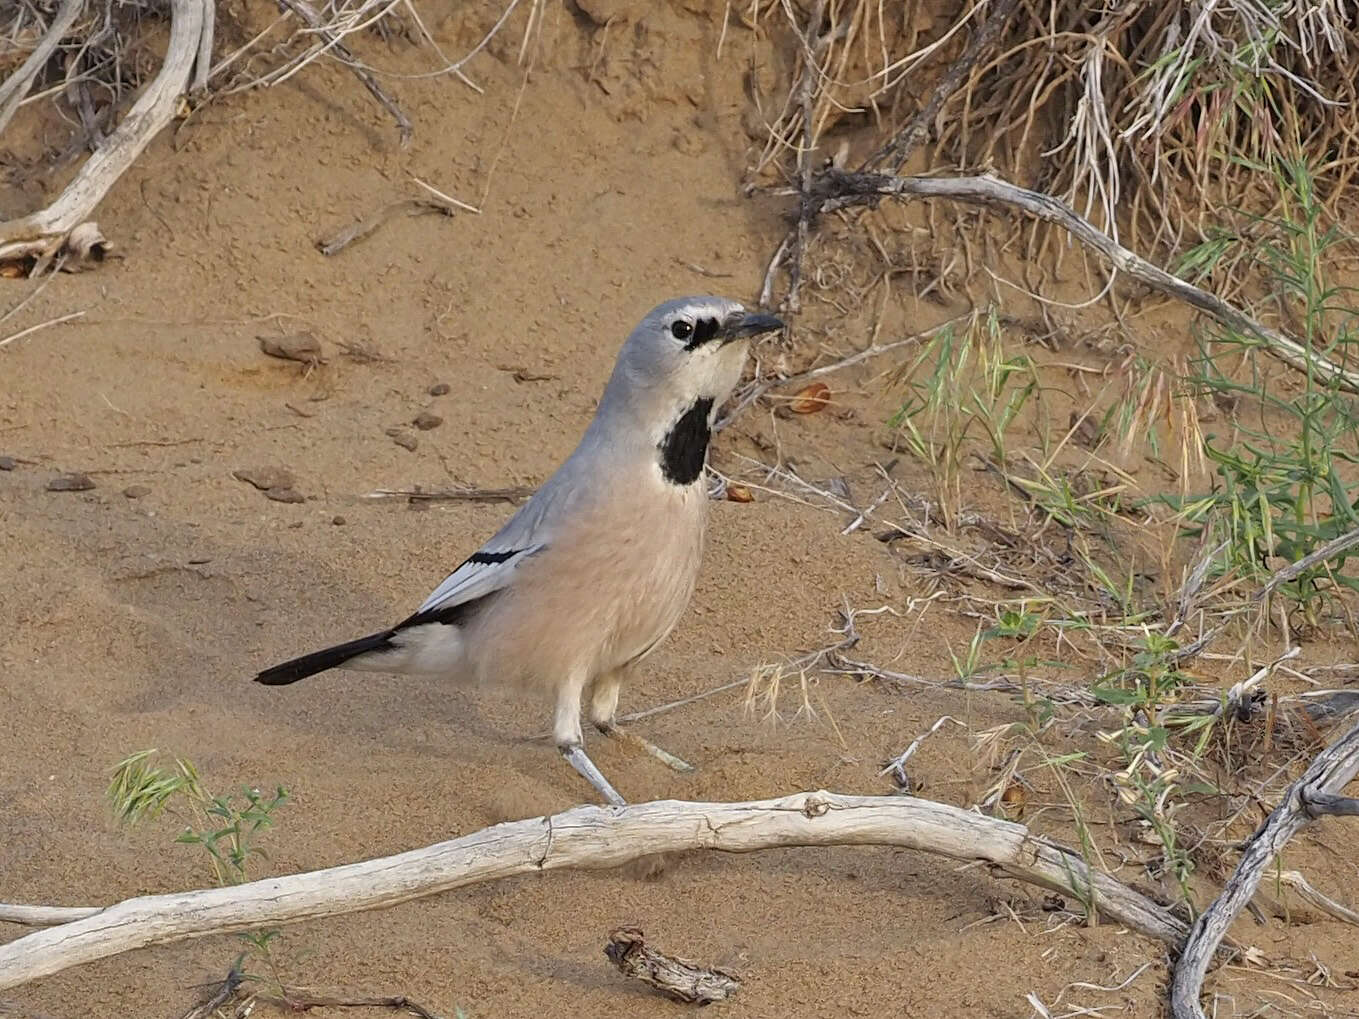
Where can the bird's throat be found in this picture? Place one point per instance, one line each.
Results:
(685, 446)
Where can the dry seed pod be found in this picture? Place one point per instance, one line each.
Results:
(739, 493)
(811, 399)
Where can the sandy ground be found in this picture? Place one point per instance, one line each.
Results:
(138, 622)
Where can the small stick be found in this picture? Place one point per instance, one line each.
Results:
(454, 494)
(348, 235)
(1308, 893)
(1329, 550)
(757, 389)
(300, 1000)
(226, 990)
(806, 209)
(447, 199)
(897, 765)
(41, 325)
(678, 979)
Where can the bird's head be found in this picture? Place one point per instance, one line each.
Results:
(686, 349)
(680, 364)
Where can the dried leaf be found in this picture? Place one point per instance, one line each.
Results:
(811, 399)
(739, 493)
(1015, 799)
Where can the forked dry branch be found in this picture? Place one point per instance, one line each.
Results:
(1314, 795)
(588, 837)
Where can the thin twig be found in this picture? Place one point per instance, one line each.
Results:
(309, 14)
(899, 149)
(41, 325)
(1292, 571)
(757, 388)
(454, 494)
(345, 236)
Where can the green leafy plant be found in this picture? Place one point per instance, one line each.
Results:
(1286, 466)
(225, 827)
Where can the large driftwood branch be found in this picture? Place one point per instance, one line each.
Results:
(841, 190)
(1314, 794)
(587, 837)
(43, 233)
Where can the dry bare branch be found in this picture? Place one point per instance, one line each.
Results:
(16, 86)
(43, 233)
(592, 837)
(1314, 794)
(846, 189)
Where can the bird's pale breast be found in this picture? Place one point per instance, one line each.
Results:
(606, 590)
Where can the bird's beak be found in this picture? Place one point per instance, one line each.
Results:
(744, 325)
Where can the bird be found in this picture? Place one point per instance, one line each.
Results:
(595, 569)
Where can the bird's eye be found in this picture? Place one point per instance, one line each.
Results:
(681, 330)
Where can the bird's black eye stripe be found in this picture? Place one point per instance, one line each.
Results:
(698, 334)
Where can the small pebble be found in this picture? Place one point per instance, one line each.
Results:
(284, 495)
(303, 347)
(136, 491)
(265, 478)
(339, 521)
(7, 463)
(403, 439)
(425, 421)
(439, 389)
(70, 483)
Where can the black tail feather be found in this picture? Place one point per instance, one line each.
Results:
(320, 661)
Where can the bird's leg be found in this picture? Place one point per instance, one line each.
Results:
(572, 744)
(603, 707)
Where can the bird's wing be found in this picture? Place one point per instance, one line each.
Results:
(483, 573)
(493, 566)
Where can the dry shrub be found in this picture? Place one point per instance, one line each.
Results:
(1152, 116)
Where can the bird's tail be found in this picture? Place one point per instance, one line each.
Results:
(329, 658)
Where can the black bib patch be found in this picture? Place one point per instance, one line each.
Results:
(685, 446)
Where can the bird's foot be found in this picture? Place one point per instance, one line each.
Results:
(661, 754)
(576, 757)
